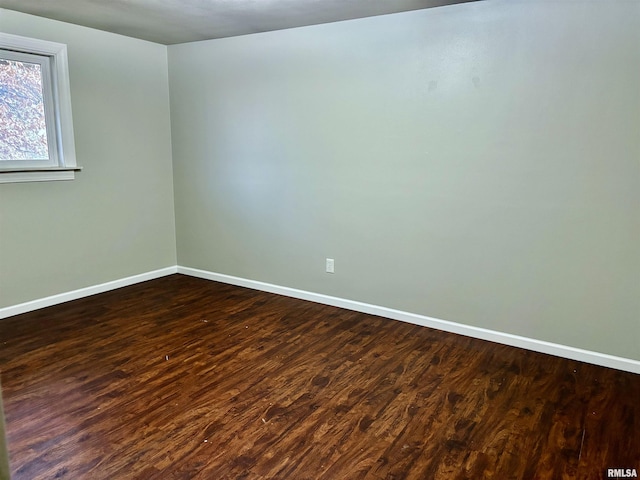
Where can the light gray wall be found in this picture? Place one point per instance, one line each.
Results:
(116, 219)
(478, 163)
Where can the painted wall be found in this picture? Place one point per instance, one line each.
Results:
(116, 219)
(478, 163)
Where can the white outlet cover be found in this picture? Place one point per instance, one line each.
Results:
(330, 265)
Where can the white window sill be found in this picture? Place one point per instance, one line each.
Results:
(37, 174)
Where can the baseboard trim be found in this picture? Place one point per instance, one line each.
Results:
(533, 344)
(84, 292)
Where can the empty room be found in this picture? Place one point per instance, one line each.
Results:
(319, 239)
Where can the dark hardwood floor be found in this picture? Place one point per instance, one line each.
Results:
(182, 378)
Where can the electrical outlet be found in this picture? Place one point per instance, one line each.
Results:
(330, 264)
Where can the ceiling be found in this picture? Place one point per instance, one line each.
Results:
(179, 21)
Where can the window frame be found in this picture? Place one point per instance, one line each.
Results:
(62, 161)
(49, 110)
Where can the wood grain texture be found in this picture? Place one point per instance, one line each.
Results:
(4, 455)
(183, 378)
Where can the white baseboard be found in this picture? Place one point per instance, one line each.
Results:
(540, 346)
(533, 344)
(84, 292)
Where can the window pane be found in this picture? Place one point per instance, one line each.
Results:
(23, 131)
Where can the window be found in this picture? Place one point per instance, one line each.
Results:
(36, 129)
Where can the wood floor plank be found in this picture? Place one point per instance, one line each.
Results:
(182, 378)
